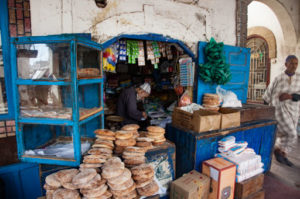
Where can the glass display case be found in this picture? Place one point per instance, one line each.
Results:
(58, 92)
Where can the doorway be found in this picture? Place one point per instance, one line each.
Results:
(259, 75)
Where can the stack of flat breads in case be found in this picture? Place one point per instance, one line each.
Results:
(123, 140)
(143, 176)
(134, 156)
(119, 179)
(157, 134)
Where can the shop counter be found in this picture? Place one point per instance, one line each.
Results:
(193, 148)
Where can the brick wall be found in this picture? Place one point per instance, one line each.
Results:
(241, 22)
(19, 18)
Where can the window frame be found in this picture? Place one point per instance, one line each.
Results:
(5, 38)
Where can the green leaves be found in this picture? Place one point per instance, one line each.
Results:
(215, 69)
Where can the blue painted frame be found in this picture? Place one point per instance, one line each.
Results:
(5, 38)
(150, 37)
(75, 123)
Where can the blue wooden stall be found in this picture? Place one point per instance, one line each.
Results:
(193, 148)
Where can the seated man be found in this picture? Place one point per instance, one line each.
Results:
(127, 103)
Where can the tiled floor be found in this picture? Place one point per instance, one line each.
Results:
(283, 182)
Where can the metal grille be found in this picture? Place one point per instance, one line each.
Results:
(258, 69)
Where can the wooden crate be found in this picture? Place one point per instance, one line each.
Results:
(248, 187)
(252, 112)
(257, 195)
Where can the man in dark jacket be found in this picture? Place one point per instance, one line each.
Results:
(127, 103)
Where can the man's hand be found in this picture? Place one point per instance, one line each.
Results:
(144, 115)
(285, 96)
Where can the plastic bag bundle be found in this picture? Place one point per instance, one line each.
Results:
(215, 69)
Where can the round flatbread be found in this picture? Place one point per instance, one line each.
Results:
(94, 159)
(130, 195)
(142, 169)
(84, 177)
(145, 176)
(127, 142)
(105, 132)
(53, 181)
(92, 193)
(66, 194)
(69, 185)
(87, 165)
(149, 189)
(130, 127)
(134, 149)
(136, 161)
(102, 146)
(124, 135)
(140, 184)
(144, 139)
(105, 137)
(93, 183)
(123, 186)
(143, 144)
(66, 175)
(99, 151)
(156, 129)
(126, 175)
(123, 192)
(48, 187)
(106, 195)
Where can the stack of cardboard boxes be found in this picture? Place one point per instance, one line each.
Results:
(217, 181)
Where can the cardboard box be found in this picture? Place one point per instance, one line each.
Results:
(222, 173)
(249, 186)
(192, 185)
(230, 118)
(204, 120)
(182, 119)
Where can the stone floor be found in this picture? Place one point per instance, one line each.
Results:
(283, 181)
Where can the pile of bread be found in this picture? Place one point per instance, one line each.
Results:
(103, 175)
(211, 102)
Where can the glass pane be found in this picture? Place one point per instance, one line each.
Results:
(56, 141)
(44, 61)
(45, 101)
(87, 129)
(88, 62)
(89, 100)
(3, 97)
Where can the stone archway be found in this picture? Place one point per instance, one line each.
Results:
(268, 35)
(288, 29)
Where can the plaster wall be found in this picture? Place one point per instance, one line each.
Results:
(187, 20)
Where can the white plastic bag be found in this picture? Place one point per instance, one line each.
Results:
(228, 98)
